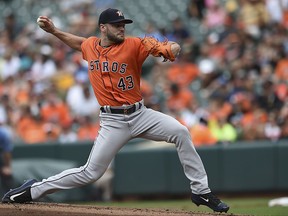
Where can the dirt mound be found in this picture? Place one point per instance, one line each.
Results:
(45, 209)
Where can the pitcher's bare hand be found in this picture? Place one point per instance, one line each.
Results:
(46, 24)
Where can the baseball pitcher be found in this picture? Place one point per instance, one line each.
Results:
(114, 71)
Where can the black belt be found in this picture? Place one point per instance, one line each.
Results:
(126, 111)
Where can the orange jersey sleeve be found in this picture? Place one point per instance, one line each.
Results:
(115, 71)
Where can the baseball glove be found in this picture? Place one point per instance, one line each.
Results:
(157, 48)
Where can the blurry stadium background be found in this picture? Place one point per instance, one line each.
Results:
(228, 86)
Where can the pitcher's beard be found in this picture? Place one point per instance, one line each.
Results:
(114, 38)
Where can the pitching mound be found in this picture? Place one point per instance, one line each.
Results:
(45, 209)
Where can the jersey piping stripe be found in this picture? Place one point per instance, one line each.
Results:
(105, 75)
(119, 95)
(95, 47)
(72, 173)
(103, 81)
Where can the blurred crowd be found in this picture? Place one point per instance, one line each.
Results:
(230, 85)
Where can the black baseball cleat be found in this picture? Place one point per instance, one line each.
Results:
(21, 194)
(211, 201)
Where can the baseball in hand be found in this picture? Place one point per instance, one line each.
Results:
(175, 48)
(40, 22)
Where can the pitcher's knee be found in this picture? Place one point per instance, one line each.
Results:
(181, 132)
(93, 174)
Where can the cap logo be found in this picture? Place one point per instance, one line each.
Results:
(119, 13)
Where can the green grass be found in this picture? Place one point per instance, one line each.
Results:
(245, 206)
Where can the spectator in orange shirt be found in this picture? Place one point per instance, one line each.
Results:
(150, 98)
(253, 123)
(55, 110)
(281, 70)
(52, 131)
(88, 129)
(202, 135)
(30, 128)
(219, 108)
(22, 95)
(281, 91)
(180, 98)
(184, 71)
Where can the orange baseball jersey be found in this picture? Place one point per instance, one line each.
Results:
(115, 71)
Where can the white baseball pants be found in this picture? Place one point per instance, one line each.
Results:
(116, 130)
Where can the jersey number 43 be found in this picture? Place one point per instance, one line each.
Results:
(126, 83)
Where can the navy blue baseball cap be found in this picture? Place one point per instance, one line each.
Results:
(111, 15)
